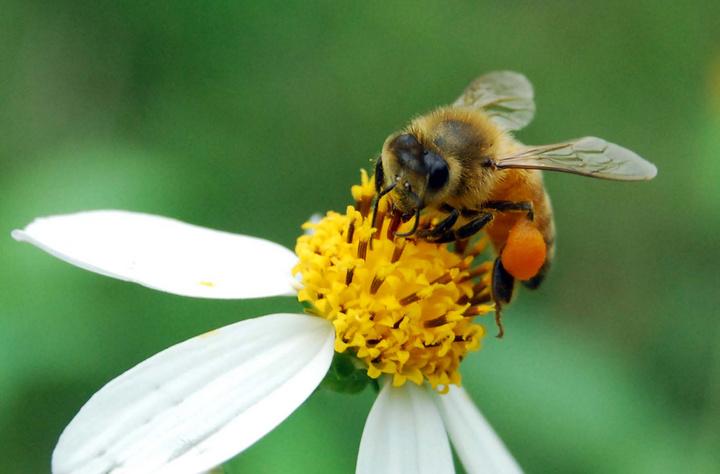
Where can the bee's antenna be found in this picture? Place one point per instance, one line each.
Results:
(377, 201)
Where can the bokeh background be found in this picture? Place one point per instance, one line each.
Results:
(250, 116)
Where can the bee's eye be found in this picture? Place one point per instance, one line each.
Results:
(437, 171)
(409, 150)
(407, 142)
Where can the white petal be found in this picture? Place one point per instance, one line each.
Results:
(404, 434)
(197, 404)
(166, 254)
(476, 444)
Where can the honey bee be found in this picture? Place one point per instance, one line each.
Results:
(462, 161)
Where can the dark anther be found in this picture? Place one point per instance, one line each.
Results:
(350, 232)
(394, 225)
(436, 322)
(362, 249)
(481, 299)
(409, 299)
(375, 285)
(397, 253)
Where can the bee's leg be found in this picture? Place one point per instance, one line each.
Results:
(510, 206)
(474, 226)
(447, 237)
(467, 230)
(442, 227)
(502, 290)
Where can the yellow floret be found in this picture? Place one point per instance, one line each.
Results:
(404, 307)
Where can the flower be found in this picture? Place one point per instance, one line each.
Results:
(403, 308)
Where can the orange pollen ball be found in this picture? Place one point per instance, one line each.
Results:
(525, 250)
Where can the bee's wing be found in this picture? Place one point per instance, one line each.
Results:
(506, 96)
(588, 156)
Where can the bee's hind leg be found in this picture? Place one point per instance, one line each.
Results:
(511, 206)
(502, 291)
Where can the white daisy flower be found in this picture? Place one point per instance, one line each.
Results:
(403, 309)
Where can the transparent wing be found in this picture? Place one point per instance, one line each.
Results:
(506, 96)
(587, 156)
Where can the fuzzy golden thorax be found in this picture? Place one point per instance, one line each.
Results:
(443, 157)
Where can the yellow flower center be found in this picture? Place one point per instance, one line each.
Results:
(403, 306)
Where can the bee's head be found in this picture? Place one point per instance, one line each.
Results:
(416, 174)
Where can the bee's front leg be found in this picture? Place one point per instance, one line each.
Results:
(465, 231)
(442, 227)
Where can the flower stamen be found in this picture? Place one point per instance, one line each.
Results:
(403, 306)
(375, 285)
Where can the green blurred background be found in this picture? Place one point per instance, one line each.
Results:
(250, 117)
